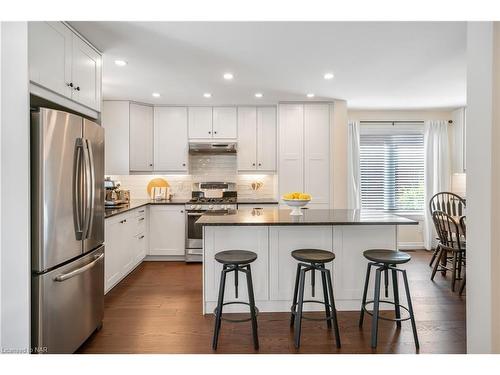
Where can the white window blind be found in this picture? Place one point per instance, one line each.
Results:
(392, 166)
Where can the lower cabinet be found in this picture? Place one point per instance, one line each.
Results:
(167, 230)
(126, 245)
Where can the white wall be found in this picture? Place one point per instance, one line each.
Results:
(483, 185)
(14, 194)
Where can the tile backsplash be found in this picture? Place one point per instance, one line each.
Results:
(203, 168)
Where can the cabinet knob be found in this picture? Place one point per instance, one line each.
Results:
(260, 164)
(182, 211)
(253, 164)
(69, 84)
(183, 164)
(77, 88)
(150, 165)
(215, 132)
(209, 132)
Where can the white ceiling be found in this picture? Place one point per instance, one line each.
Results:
(386, 65)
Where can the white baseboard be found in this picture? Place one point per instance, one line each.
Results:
(411, 245)
(165, 258)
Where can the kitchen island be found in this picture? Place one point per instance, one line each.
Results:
(273, 234)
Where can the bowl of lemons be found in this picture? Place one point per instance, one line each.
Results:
(296, 201)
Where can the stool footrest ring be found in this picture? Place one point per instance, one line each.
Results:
(237, 320)
(329, 317)
(383, 317)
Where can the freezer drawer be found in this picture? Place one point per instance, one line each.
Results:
(68, 304)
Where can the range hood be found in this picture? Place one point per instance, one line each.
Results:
(212, 147)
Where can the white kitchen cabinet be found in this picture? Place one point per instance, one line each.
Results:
(200, 122)
(247, 138)
(291, 148)
(167, 226)
(256, 138)
(266, 138)
(125, 245)
(304, 151)
(115, 121)
(141, 137)
(62, 62)
(317, 152)
(86, 74)
(224, 122)
(171, 139)
(50, 54)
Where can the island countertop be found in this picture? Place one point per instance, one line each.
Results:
(275, 216)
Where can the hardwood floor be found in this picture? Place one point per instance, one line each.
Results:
(157, 309)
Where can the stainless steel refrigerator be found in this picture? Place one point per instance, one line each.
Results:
(67, 171)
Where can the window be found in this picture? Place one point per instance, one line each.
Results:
(392, 166)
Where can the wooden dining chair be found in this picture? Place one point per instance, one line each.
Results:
(452, 204)
(463, 227)
(450, 241)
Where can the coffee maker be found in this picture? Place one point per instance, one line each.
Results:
(115, 197)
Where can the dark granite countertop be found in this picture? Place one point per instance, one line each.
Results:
(275, 216)
(136, 203)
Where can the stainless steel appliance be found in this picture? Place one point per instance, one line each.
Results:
(114, 196)
(218, 197)
(212, 148)
(67, 159)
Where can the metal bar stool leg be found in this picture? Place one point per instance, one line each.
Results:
(251, 301)
(236, 282)
(386, 283)
(395, 288)
(313, 281)
(376, 301)
(298, 319)
(410, 309)
(334, 312)
(220, 302)
(365, 290)
(295, 291)
(325, 297)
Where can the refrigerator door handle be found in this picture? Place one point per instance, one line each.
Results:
(77, 189)
(90, 188)
(69, 275)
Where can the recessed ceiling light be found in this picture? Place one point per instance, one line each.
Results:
(156, 94)
(120, 62)
(310, 95)
(228, 76)
(207, 95)
(328, 76)
(258, 95)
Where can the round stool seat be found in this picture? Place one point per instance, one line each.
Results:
(386, 256)
(235, 257)
(313, 255)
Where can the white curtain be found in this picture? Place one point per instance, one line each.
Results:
(353, 172)
(437, 170)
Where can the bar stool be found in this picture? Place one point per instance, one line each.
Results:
(313, 260)
(235, 261)
(387, 260)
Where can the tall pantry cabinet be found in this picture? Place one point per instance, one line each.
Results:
(305, 151)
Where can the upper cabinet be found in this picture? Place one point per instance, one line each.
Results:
(200, 122)
(224, 122)
(304, 151)
(115, 121)
(212, 123)
(256, 138)
(61, 62)
(171, 139)
(141, 138)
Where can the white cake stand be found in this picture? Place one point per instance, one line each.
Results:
(296, 205)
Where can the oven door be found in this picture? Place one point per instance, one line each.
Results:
(194, 232)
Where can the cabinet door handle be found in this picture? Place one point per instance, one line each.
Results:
(123, 221)
(141, 219)
(141, 211)
(141, 237)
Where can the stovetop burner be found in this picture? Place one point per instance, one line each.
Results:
(223, 200)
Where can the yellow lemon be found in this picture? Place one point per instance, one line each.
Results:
(304, 196)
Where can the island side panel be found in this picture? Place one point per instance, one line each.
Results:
(220, 238)
(350, 265)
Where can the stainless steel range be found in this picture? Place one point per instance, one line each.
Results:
(216, 197)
